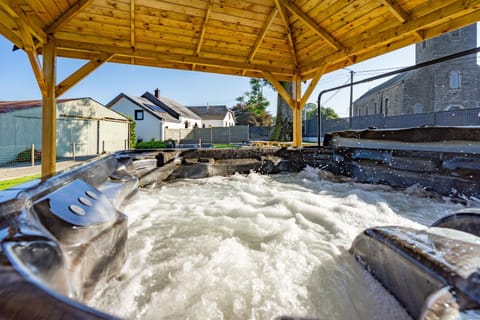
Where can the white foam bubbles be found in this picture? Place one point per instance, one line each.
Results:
(257, 247)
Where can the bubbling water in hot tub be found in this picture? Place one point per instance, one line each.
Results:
(258, 247)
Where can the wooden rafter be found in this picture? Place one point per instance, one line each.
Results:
(262, 34)
(204, 27)
(132, 24)
(400, 14)
(132, 27)
(20, 17)
(470, 9)
(283, 14)
(313, 25)
(9, 34)
(68, 15)
(81, 73)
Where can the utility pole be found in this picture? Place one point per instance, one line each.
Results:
(351, 99)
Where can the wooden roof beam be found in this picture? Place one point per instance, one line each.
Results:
(283, 14)
(68, 15)
(469, 9)
(313, 25)
(81, 73)
(262, 34)
(29, 47)
(400, 14)
(170, 57)
(318, 74)
(6, 30)
(132, 27)
(280, 89)
(20, 16)
(204, 27)
(132, 24)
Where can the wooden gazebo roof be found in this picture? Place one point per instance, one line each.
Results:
(289, 40)
(239, 37)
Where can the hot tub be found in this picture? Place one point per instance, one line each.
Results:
(64, 239)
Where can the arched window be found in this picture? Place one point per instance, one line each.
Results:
(375, 107)
(417, 108)
(386, 105)
(186, 124)
(455, 81)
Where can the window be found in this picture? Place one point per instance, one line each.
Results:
(375, 108)
(186, 124)
(417, 108)
(455, 81)
(386, 106)
(138, 114)
(455, 35)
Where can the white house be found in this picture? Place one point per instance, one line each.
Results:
(214, 116)
(154, 113)
(84, 126)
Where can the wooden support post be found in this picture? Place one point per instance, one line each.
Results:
(49, 110)
(297, 113)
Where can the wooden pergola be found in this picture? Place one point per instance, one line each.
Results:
(280, 40)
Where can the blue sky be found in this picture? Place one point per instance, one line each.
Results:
(17, 81)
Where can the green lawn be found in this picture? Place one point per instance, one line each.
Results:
(226, 145)
(5, 184)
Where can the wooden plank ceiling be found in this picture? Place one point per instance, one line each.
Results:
(286, 39)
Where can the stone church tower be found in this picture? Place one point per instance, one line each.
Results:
(449, 85)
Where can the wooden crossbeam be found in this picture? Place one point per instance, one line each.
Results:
(396, 10)
(400, 14)
(171, 57)
(318, 74)
(204, 27)
(313, 25)
(81, 73)
(29, 47)
(262, 34)
(283, 14)
(280, 89)
(68, 15)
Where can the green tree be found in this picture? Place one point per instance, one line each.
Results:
(283, 130)
(310, 112)
(328, 113)
(252, 106)
(132, 133)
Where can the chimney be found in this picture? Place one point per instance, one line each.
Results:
(157, 93)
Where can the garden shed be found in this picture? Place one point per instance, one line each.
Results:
(84, 127)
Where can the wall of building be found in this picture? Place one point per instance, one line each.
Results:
(80, 124)
(149, 128)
